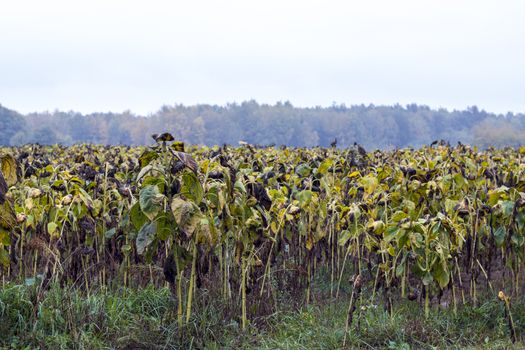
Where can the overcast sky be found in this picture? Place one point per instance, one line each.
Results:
(107, 55)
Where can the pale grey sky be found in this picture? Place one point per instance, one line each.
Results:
(113, 55)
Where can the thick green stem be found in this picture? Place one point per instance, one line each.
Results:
(404, 281)
(243, 293)
(427, 302)
(179, 292)
(192, 283)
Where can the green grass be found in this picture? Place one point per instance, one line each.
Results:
(322, 327)
(146, 319)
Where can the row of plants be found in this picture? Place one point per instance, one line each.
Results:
(439, 225)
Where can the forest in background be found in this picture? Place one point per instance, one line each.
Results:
(383, 127)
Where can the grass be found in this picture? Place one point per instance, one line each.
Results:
(322, 327)
(146, 319)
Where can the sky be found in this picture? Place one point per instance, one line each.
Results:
(116, 55)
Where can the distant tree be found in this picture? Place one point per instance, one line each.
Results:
(45, 136)
(369, 125)
(10, 123)
(117, 135)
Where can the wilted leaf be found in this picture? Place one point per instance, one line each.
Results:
(369, 183)
(144, 171)
(187, 215)
(165, 137)
(183, 256)
(377, 226)
(147, 157)
(203, 231)
(178, 146)
(187, 160)
(7, 216)
(3, 188)
(8, 168)
(5, 238)
(4, 257)
(146, 236)
(309, 243)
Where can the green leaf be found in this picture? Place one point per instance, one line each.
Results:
(450, 205)
(400, 268)
(440, 274)
(150, 201)
(304, 197)
(182, 255)
(146, 236)
(138, 219)
(403, 237)
(345, 235)
(213, 197)
(126, 249)
(31, 281)
(158, 181)
(191, 187)
(165, 225)
(399, 215)
(303, 170)
(324, 166)
(517, 239)
(390, 233)
(239, 186)
(496, 194)
(369, 183)
(507, 207)
(427, 279)
(499, 236)
(52, 229)
(110, 233)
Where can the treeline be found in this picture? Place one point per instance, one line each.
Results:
(263, 124)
